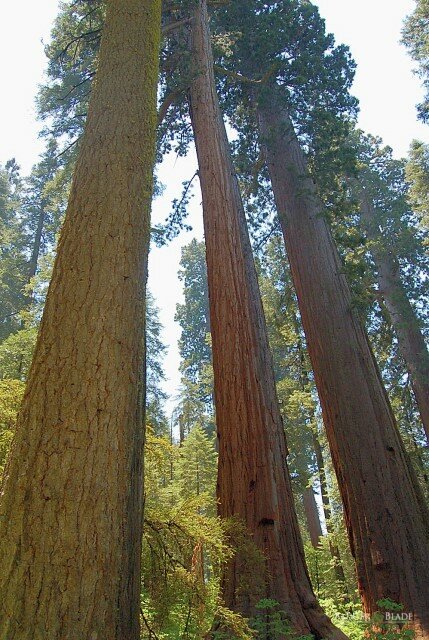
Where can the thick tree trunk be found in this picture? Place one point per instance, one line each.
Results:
(387, 520)
(312, 517)
(411, 342)
(71, 508)
(253, 480)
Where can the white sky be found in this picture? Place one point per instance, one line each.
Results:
(385, 86)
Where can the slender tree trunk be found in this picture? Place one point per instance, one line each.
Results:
(408, 402)
(386, 517)
(327, 512)
(181, 428)
(312, 517)
(411, 342)
(32, 267)
(71, 508)
(253, 480)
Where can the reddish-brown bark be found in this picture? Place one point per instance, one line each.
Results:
(386, 517)
(253, 480)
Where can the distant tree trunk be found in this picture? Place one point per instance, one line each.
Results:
(34, 259)
(411, 342)
(386, 517)
(181, 428)
(71, 508)
(327, 512)
(312, 517)
(253, 480)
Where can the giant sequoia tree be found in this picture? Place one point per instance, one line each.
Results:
(386, 516)
(253, 480)
(387, 519)
(71, 507)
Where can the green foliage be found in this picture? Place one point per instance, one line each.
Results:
(155, 352)
(385, 624)
(184, 544)
(11, 392)
(193, 314)
(270, 621)
(196, 464)
(16, 353)
(415, 37)
(196, 402)
(417, 173)
(72, 53)
(13, 258)
(230, 626)
(283, 43)
(382, 625)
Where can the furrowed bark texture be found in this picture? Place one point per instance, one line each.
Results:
(386, 517)
(253, 480)
(71, 507)
(411, 342)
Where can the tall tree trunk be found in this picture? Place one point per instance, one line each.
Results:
(34, 259)
(71, 508)
(327, 512)
(253, 480)
(312, 517)
(32, 269)
(386, 517)
(411, 342)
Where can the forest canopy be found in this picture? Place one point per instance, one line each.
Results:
(283, 492)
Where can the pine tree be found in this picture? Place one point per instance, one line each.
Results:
(155, 376)
(196, 466)
(196, 403)
(72, 498)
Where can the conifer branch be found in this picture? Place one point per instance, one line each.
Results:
(169, 99)
(172, 26)
(244, 79)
